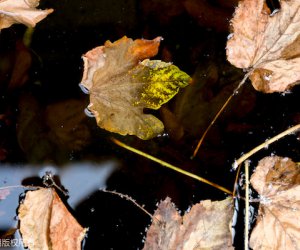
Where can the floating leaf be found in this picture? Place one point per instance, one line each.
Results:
(267, 43)
(277, 181)
(121, 85)
(21, 11)
(206, 226)
(45, 222)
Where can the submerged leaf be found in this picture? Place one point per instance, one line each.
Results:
(45, 222)
(268, 43)
(206, 226)
(121, 85)
(277, 181)
(21, 11)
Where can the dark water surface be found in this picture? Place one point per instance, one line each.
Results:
(43, 126)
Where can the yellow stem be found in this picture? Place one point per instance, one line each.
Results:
(219, 113)
(168, 165)
(246, 243)
(265, 144)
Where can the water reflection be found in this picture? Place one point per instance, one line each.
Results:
(80, 179)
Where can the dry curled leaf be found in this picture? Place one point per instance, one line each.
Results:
(122, 82)
(21, 11)
(45, 222)
(267, 43)
(277, 180)
(205, 226)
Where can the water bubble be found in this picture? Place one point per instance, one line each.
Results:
(267, 77)
(84, 89)
(48, 169)
(89, 113)
(274, 12)
(235, 165)
(163, 135)
(229, 36)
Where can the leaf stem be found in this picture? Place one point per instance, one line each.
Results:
(265, 144)
(168, 165)
(127, 197)
(219, 113)
(246, 206)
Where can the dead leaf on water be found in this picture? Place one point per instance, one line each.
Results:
(277, 180)
(21, 11)
(205, 226)
(45, 222)
(122, 82)
(268, 43)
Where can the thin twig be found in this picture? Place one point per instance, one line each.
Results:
(246, 206)
(19, 186)
(127, 197)
(168, 165)
(219, 113)
(235, 186)
(265, 144)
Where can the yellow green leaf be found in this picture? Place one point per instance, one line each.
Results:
(162, 82)
(122, 81)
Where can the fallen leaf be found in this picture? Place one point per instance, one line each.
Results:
(121, 85)
(205, 226)
(267, 44)
(164, 12)
(209, 14)
(67, 123)
(20, 71)
(21, 11)
(277, 180)
(172, 125)
(207, 95)
(45, 222)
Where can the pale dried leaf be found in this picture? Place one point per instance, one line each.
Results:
(206, 226)
(278, 224)
(122, 82)
(65, 231)
(21, 11)
(45, 223)
(268, 43)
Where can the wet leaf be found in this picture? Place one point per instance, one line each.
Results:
(268, 43)
(121, 85)
(21, 11)
(172, 125)
(277, 181)
(205, 226)
(210, 15)
(45, 222)
(67, 123)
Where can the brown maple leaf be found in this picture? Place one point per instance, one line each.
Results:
(21, 11)
(277, 180)
(122, 82)
(205, 226)
(45, 222)
(267, 44)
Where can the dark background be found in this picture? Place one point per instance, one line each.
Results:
(33, 113)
